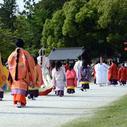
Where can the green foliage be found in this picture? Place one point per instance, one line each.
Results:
(23, 30)
(70, 9)
(6, 42)
(90, 23)
(54, 29)
(94, 24)
(41, 12)
(7, 14)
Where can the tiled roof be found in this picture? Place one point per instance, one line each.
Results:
(66, 53)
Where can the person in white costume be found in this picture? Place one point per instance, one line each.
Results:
(77, 67)
(59, 79)
(43, 61)
(101, 73)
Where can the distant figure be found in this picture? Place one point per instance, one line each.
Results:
(101, 73)
(3, 78)
(94, 73)
(77, 67)
(71, 79)
(21, 69)
(42, 59)
(122, 75)
(59, 79)
(113, 73)
(85, 76)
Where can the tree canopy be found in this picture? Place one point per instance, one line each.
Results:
(98, 25)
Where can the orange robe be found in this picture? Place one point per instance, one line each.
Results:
(3, 78)
(25, 74)
(38, 81)
(38, 76)
(3, 74)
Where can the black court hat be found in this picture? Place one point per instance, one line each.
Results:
(20, 43)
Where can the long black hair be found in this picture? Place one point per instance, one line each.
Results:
(84, 64)
(35, 60)
(17, 62)
(58, 65)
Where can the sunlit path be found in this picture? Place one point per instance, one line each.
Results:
(46, 111)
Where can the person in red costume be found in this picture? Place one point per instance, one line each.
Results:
(122, 75)
(71, 79)
(113, 73)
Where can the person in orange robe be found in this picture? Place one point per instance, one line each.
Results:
(21, 73)
(34, 92)
(3, 78)
(122, 75)
(113, 73)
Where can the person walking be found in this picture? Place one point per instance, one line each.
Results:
(85, 76)
(71, 79)
(122, 75)
(3, 78)
(38, 80)
(21, 73)
(59, 79)
(77, 67)
(113, 73)
(101, 73)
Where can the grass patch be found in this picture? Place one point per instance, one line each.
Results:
(114, 115)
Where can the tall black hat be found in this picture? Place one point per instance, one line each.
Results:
(20, 43)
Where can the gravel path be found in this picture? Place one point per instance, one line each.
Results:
(53, 111)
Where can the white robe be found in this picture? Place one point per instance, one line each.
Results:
(101, 73)
(45, 72)
(59, 79)
(77, 68)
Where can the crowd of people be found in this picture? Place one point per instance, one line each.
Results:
(110, 73)
(26, 74)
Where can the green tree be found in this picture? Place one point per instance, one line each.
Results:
(7, 14)
(42, 10)
(7, 40)
(99, 25)
(54, 29)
